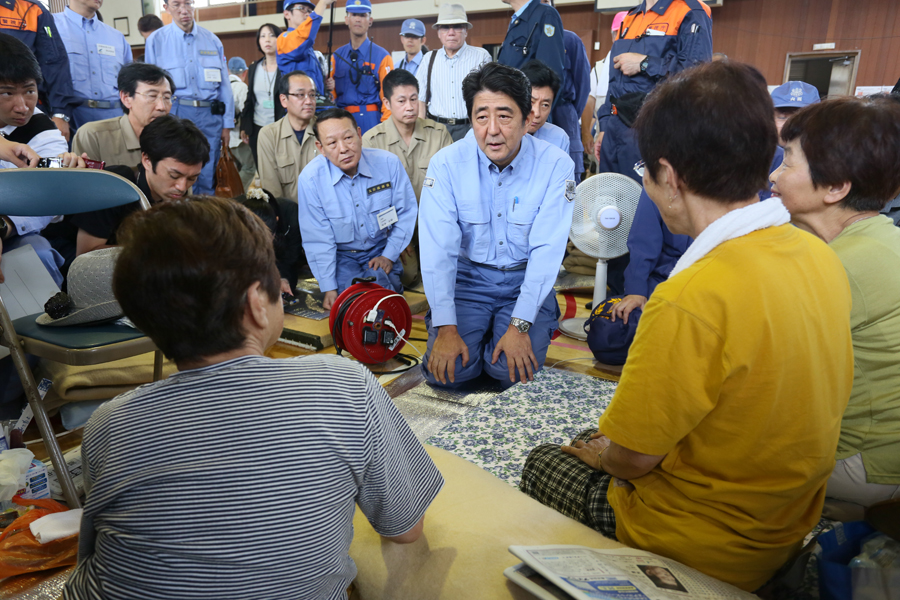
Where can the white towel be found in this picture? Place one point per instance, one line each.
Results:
(731, 225)
(56, 525)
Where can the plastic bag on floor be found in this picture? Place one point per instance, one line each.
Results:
(21, 553)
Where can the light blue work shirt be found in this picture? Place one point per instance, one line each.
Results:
(96, 53)
(502, 219)
(552, 134)
(411, 65)
(338, 212)
(196, 62)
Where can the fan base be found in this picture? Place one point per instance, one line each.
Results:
(574, 328)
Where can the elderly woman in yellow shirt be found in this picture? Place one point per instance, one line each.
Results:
(718, 443)
(840, 170)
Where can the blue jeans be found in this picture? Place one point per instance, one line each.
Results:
(485, 299)
(351, 265)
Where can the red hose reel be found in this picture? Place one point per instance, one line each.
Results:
(370, 322)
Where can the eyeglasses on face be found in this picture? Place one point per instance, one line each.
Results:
(177, 6)
(453, 27)
(301, 96)
(153, 97)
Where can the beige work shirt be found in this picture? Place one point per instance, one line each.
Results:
(428, 137)
(110, 140)
(281, 157)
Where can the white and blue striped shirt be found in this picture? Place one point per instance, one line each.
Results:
(447, 77)
(240, 480)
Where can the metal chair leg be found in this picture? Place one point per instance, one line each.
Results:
(40, 414)
(157, 365)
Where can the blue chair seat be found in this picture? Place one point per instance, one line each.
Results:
(75, 337)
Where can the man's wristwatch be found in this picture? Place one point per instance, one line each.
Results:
(644, 64)
(521, 324)
(61, 116)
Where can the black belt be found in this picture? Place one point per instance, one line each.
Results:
(444, 121)
(101, 103)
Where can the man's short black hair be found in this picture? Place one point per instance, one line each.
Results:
(140, 72)
(500, 79)
(18, 65)
(540, 75)
(397, 78)
(284, 86)
(149, 23)
(329, 114)
(171, 137)
(713, 123)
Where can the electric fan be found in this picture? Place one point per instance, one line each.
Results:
(601, 219)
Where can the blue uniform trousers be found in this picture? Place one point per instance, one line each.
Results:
(367, 119)
(485, 299)
(85, 114)
(352, 264)
(211, 126)
(619, 151)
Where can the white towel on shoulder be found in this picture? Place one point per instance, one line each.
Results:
(731, 225)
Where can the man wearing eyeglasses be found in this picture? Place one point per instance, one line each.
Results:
(295, 46)
(195, 59)
(145, 92)
(287, 145)
(358, 69)
(442, 72)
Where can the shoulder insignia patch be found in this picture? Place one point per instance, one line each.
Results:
(570, 190)
(549, 30)
(429, 182)
(378, 188)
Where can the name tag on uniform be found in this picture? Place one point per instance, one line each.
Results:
(654, 32)
(378, 188)
(268, 104)
(212, 75)
(386, 218)
(106, 50)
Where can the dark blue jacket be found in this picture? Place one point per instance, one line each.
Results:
(32, 24)
(573, 94)
(680, 38)
(536, 34)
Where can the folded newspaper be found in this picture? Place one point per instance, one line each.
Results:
(564, 572)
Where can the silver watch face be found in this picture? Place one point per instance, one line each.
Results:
(522, 325)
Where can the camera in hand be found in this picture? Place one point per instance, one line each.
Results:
(56, 163)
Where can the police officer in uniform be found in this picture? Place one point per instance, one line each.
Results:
(96, 53)
(495, 216)
(358, 68)
(412, 37)
(357, 209)
(535, 32)
(195, 59)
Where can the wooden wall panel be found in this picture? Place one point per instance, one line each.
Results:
(759, 32)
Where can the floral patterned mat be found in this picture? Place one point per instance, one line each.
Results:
(499, 434)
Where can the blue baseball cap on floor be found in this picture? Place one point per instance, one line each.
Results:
(413, 27)
(609, 341)
(359, 6)
(795, 94)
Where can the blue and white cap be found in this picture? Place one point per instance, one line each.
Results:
(359, 6)
(794, 94)
(289, 3)
(413, 27)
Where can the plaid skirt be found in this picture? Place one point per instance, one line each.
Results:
(563, 482)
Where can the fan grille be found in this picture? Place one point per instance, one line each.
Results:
(592, 196)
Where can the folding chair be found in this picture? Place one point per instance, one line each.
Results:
(43, 192)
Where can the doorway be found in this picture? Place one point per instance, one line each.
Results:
(831, 73)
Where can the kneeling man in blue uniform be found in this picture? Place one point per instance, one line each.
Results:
(357, 208)
(494, 219)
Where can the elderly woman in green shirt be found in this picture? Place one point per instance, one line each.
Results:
(839, 171)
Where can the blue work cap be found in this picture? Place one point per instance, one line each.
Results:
(794, 93)
(237, 65)
(413, 27)
(289, 3)
(359, 6)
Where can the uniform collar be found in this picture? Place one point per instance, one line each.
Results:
(659, 8)
(458, 52)
(513, 166)
(522, 10)
(362, 169)
(142, 184)
(80, 21)
(393, 134)
(417, 59)
(131, 139)
(285, 130)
